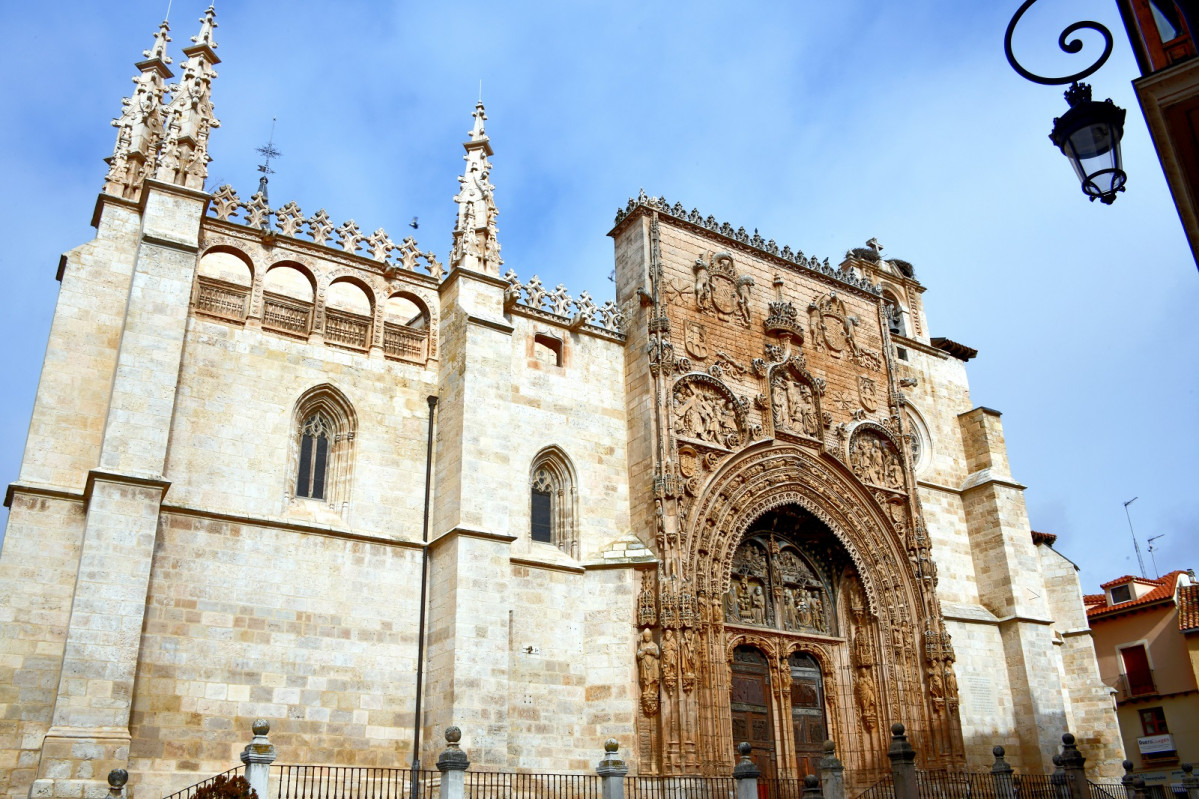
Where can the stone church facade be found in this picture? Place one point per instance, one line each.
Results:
(749, 499)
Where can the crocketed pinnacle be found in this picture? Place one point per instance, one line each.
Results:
(476, 246)
(184, 159)
(140, 125)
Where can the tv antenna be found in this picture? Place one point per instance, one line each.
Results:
(1157, 574)
(1135, 546)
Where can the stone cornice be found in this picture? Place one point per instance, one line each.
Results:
(274, 523)
(547, 565)
(983, 478)
(107, 199)
(102, 476)
(494, 324)
(472, 532)
(919, 346)
(740, 240)
(458, 273)
(40, 491)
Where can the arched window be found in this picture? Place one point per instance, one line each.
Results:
(553, 501)
(894, 312)
(323, 447)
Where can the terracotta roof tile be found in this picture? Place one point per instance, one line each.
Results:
(1188, 608)
(1043, 538)
(1094, 599)
(1164, 590)
(1117, 581)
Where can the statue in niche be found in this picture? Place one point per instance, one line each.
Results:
(744, 601)
(648, 672)
(936, 686)
(875, 461)
(790, 622)
(759, 605)
(794, 407)
(732, 610)
(866, 695)
(744, 284)
(688, 659)
(818, 620)
(670, 659)
(803, 608)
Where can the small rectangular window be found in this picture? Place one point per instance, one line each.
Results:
(1137, 671)
(541, 528)
(1153, 721)
(1121, 593)
(901, 353)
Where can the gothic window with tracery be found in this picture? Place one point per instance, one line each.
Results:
(322, 448)
(553, 501)
(314, 457)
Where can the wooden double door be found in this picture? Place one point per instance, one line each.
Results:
(754, 719)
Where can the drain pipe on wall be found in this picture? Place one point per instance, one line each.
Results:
(424, 582)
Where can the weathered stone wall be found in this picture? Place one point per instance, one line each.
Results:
(315, 632)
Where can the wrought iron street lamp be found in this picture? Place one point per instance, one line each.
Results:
(1089, 132)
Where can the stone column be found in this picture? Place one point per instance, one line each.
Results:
(1001, 776)
(832, 773)
(453, 763)
(612, 771)
(811, 787)
(746, 773)
(1072, 764)
(1190, 782)
(257, 757)
(903, 764)
(1138, 789)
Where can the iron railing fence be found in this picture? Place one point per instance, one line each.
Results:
(1109, 789)
(507, 785)
(982, 785)
(350, 782)
(780, 788)
(650, 787)
(190, 791)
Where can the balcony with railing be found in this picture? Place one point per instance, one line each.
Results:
(286, 315)
(221, 298)
(347, 329)
(404, 343)
(1136, 685)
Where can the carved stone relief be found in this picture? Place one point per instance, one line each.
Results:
(720, 290)
(868, 393)
(694, 339)
(707, 411)
(875, 460)
(793, 407)
(834, 330)
(648, 672)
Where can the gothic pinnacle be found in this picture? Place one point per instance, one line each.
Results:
(475, 244)
(183, 159)
(140, 125)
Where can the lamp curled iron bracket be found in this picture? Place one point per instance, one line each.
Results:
(1067, 44)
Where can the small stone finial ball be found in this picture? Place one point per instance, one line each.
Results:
(897, 729)
(1128, 766)
(453, 735)
(261, 726)
(612, 746)
(118, 777)
(1068, 739)
(1139, 783)
(744, 748)
(1187, 768)
(999, 751)
(810, 781)
(830, 748)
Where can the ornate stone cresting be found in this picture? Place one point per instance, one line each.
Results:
(406, 255)
(475, 233)
(755, 241)
(573, 312)
(184, 158)
(140, 125)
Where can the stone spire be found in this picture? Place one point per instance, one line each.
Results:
(140, 125)
(189, 118)
(475, 244)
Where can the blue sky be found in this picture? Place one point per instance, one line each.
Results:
(820, 124)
